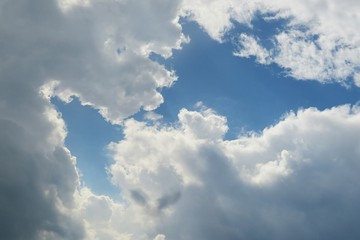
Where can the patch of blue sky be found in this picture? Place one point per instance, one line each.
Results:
(263, 26)
(88, 136)
(250, 95)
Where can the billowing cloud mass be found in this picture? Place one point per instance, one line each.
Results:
(97, 51)
(298, 179)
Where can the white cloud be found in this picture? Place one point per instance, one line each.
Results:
(303, 57)
(152, 116)
(332, 18)
(295, 179)
(267, 173)
(98, 53)
(67, 5)
(215, 16)
(357, 79)
(320, 41)
(160, 237)
(204, 124)
(249, 46)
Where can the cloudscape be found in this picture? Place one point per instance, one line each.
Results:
(179, 119)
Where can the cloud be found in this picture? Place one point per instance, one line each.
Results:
(249, 46)
(94, 50)
(357, 79)
(38, 175)
(152, 116)
(319, 41)
(160, 237)
(295, 179)
(215, 17)
(204, 124)
(303, 57)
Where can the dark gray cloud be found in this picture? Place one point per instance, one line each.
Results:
(168, 200)
(32, 184)
(139, 197)
(38, 176)
(43, 47)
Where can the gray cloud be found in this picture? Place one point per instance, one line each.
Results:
(32, 185)
(139, 197)
(168, 200)
(47, 51)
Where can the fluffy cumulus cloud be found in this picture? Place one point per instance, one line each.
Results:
(88, 48)
(319, 42)
(216, 16)
(297, 179)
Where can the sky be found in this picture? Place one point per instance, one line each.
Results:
(179, 120)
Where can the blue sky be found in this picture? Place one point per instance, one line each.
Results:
(179, 119)
(251, 96)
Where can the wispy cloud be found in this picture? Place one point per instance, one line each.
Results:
(320, 41)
